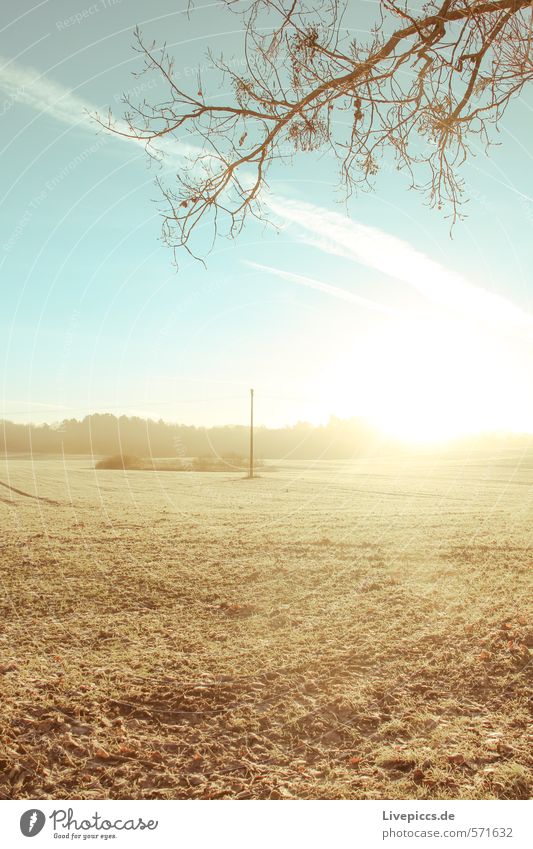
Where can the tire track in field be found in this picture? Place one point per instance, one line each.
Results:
(28, 494)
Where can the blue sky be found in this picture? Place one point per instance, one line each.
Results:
(94, 316)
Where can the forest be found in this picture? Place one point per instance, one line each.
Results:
(106, 434)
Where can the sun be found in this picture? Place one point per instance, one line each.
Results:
(428, 379)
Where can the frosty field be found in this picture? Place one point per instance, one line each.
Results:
(341, 630)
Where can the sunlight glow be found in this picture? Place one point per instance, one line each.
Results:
(429, 379)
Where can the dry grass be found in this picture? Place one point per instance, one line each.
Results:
(355, 630)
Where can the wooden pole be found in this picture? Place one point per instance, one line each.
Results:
(251, 433)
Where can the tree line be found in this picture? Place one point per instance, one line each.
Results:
(103, 434)
(106, 434)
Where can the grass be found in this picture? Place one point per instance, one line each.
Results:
(352, 630)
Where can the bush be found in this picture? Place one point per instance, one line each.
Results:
(228, 463)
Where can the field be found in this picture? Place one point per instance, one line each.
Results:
(338, 630)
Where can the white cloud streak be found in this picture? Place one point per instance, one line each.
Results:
(26, 85)
(373, 248)
(333, 291)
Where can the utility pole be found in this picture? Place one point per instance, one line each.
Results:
(251, 474)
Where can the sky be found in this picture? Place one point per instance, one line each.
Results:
(370, 310)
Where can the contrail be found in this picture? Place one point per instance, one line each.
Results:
(27, 85)
(398, 259)
(327, 288)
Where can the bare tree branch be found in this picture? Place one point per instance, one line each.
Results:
(423, 87)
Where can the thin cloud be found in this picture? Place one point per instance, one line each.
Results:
(26, 85)
(369, 246)
(333, 291)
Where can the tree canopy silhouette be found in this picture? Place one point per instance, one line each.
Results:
(106, 434)
(424, 85)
